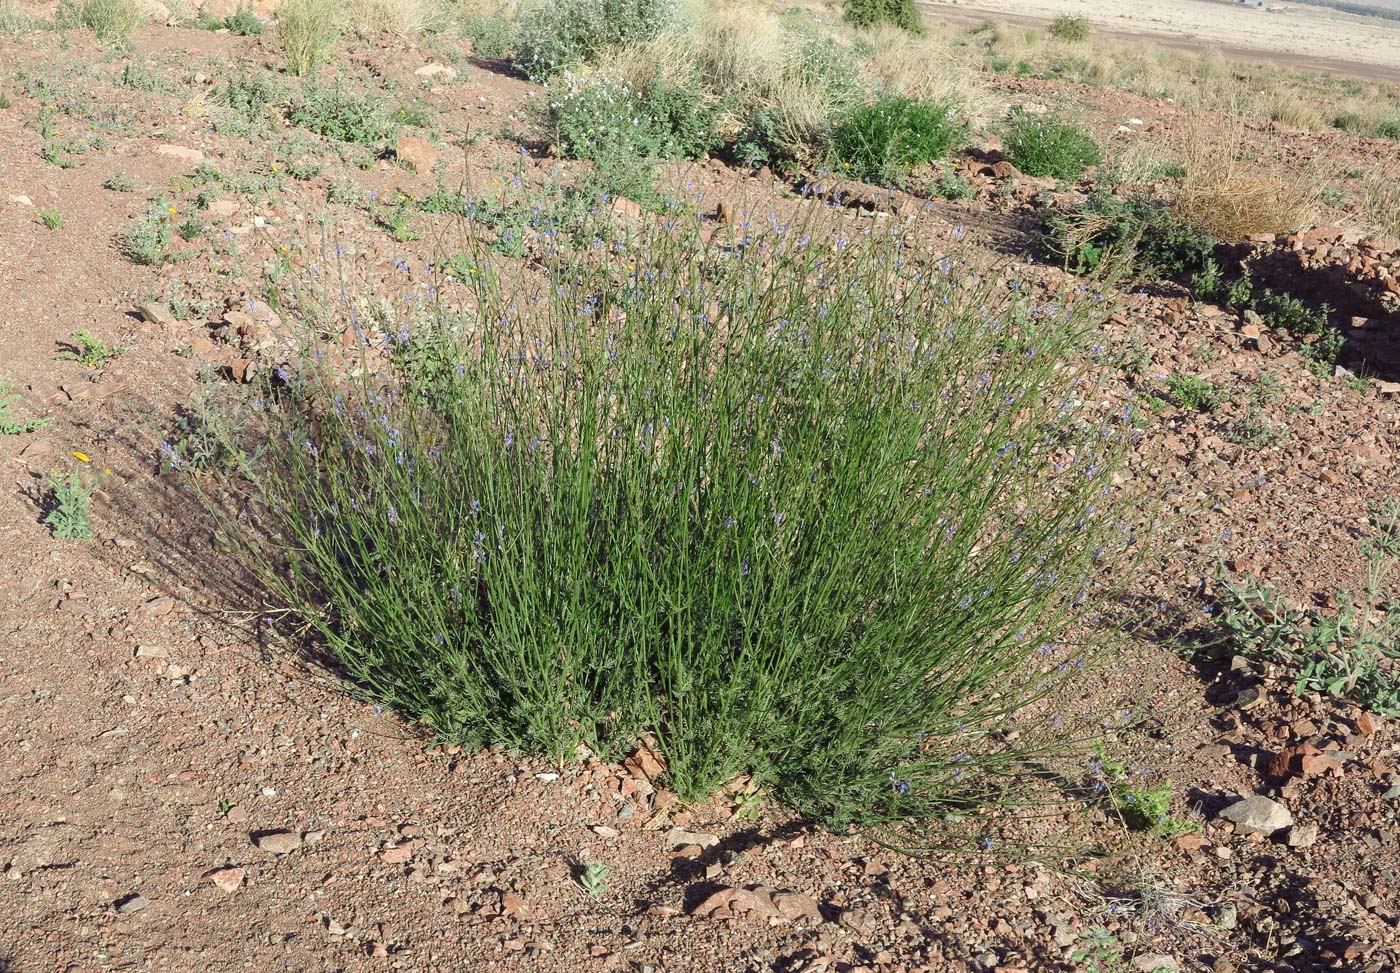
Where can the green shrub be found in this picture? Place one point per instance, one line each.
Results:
(69, 508)
(344, 114)
(871, 13)
(1046, 145)
(825, 534)
(308, 29)
(1137, 227)
(112, 22)
(604, 119)
(251, 95)
(556, 34)
(1068, 27)
(243, 21)
(490, 36)
(144, 241)
(881, 142)
(1388, 128)
(1193, 392)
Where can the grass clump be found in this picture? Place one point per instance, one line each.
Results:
(13, 20)
(51, 218)
(1354, 652)
(874, 13)
(557, 34)
(120, 182)
(1047, 145)
(1068, 27)
(308, 30)
(883, 141)
(1231, 197)
(823, 517)
(112, 22)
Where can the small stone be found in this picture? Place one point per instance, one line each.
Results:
(1366, 724)
(236, 814)
(277, 842)
(152, 652)
(1257, 815)
(396, 856)
(228, 879)
(603, 831)
(857, 921)
(19, 199)
(795, 905)
(156, 313)
(677, 837)
(435, 71)
(223, 208)
(1302, 836)
(625, 208)
(1227, 915)
(1154, 962)
(181, 153)
(514, 905)
(132, 903)
(416, 153)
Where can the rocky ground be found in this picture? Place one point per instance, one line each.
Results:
(181, 794)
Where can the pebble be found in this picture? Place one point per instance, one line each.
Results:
(1257, 815)
(277, 842)
(1154, 962)
(228, 879)
(132, 903)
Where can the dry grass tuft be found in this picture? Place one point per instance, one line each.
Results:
(406, 17)
(1232, 196)
(1293, 111)
(1380, 200)
(925, 68)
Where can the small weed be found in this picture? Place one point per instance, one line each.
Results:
(69, 514)
(1254, 430)
(491, 37)
(51, 218)
(556, 35)
(593, 879)
(119, 182)
(84, 349)
(1046, 145)
(1352, 653)
(1139, 806)
(396, 221)
(243, 22)
(191, 228)
(340, 113)
(9, 425)
(145, 240)
(954, 186)
(1193, 392)
(139, 77)
(4, 100)
(873, 13)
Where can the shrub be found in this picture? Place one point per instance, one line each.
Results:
(871, 13)
(1388, 128)
(1068, 27)
(829, 535)
(556, 34)
(243, 21)
(144, 241)
(604, 119)
(111, 21)
(1142, 229)
(1046, 145)
(13, 20)
(490, 36)
(1231, 197)
(1193, 392)
(881, 142)
(69, 508)
(308, 29)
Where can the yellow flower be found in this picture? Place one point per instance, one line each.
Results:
(82, 457)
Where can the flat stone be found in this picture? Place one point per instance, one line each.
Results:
(181, 152)
(156, 313)
(418, 154)
(132, 903)
(436, 71)
(1155, 962)
(1257, 815)
(677, 837)
(1302, 836)
(228, 879)
(277, 842)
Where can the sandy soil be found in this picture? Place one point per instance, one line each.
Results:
(1306, 37)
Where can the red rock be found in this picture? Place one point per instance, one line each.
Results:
(1366, 724)
(514, 905)
(397, 855)
(1191, 842)
(227, 879)
(795, 905)
(714, 902)
(418, 154)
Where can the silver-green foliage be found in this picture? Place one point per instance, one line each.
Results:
(556, 34)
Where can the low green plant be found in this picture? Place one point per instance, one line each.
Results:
(954, 186)
(1140, 806)
(1193, 392)
(69, 514)
(85, 349)
(308, 31)
(13, 19)
(1254, 430)
(119, 182)
(559, 34)
(593, 879)
(1320, 342)
(9, 425)
(251, 95)
(873, 13)
(395, 219)
(191, 228)
(1047, 145)
(1141, 230)
(1353, 652)
(145, 240)
(112, 22)
(4, 100)
(243, 22)
(826, 535)
(344, 114)
(51, 218)
(1068, 27)
(882, 141)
